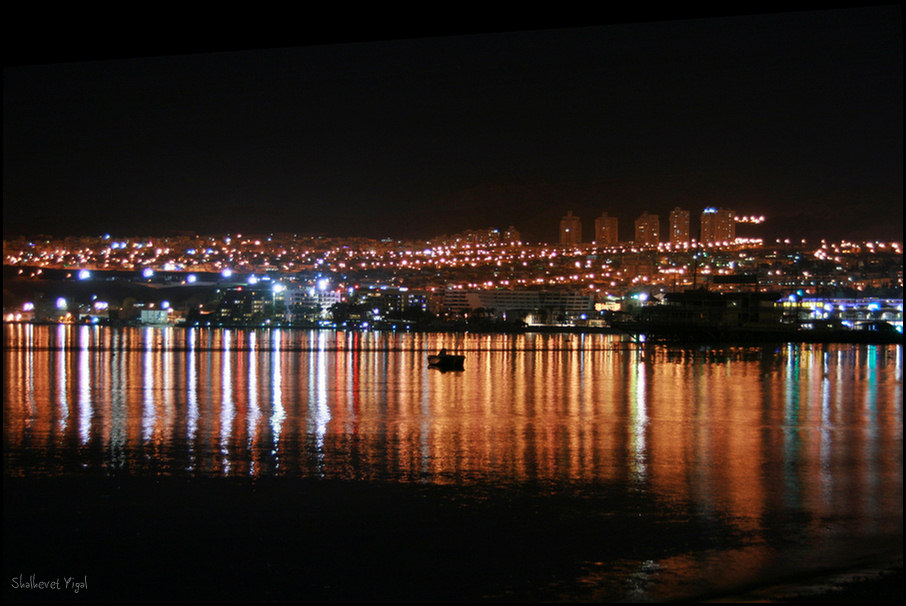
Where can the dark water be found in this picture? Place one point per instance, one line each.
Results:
(572, 467)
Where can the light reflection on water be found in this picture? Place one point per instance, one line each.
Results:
(758, 436)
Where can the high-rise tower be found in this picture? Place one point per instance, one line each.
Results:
(718, 225)
(570, 229)
(512, 235)
(679, 226)
(606, 230)
(647, 230)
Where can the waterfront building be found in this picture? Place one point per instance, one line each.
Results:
(154, 316)
(309, 304)
(647, 230)
(542, 305)
(718, 225)
(393, 302)
(701, 310)
(570, 229)
(245, 305)
(847, 312)
(606, 230)
(679, 226)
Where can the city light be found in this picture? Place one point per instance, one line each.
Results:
(477, 261)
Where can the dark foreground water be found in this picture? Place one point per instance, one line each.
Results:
(165, 464)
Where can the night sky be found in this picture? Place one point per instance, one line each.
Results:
(795, 115)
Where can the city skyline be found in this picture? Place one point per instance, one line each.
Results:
(355, 309)
(796, 116)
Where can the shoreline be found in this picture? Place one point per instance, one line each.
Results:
(167, 538)
(878, 582)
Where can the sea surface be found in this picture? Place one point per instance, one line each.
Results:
(554, 467)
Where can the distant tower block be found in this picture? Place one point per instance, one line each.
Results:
(512, 235)
(718, 225)
(570, 230)
(606, 230)
(679, 226)
(647, 230)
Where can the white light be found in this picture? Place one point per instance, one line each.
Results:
(253, 279)
(164, 304)
(147, 272)
(226, 273)
(28, 306)
(84, 274)
(323, 283)
(191, 278)
(61, 303)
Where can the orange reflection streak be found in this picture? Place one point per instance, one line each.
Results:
(85, 380)
(192, 409)
(738, 431)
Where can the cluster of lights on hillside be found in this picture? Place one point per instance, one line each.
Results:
(453, 263)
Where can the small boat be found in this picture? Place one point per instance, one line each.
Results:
(445, 361)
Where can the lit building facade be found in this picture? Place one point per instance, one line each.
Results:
(309, 304)
(647, 230)
(679, 226)
(718, 225)
(248, 305)
(541, 305)
(570, 229)
(606, 230)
